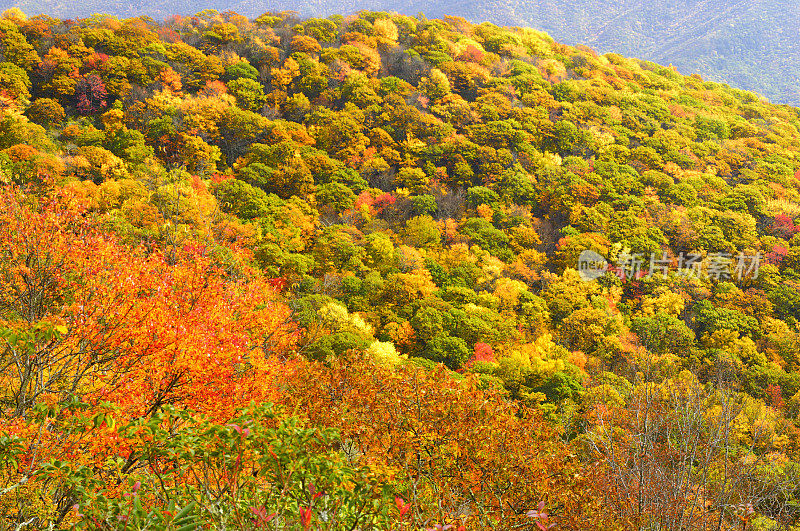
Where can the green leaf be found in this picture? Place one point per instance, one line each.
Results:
(184, 512)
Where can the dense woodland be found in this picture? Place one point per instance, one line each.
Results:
(293, 273)
(750, 44)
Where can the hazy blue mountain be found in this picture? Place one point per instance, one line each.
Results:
(752, 44)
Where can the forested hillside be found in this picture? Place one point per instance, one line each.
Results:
(381, 272)
(751, 45)
(746, 44)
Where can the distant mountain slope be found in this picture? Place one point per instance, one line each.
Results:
(751, 44)
(748, 43)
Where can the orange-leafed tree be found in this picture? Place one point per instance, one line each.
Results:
(89, 327)
(458, 455)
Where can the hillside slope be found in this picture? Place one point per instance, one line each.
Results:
(473, 268)
(751, 44)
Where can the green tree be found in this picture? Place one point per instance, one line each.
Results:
(664, 334)
(422, 231)
(14, 81)
(336, 195)
(414, 179)
(242, 69)
(435, 85)
(248, 92)
(424, 204)
(243, 200)
(452, 351)
(487, 237)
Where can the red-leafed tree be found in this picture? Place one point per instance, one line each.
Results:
(91, 94)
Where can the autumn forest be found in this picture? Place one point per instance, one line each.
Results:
(331, 274)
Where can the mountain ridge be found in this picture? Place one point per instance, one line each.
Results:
(747, 43)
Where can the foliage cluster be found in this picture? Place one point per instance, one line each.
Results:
(373, 223)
